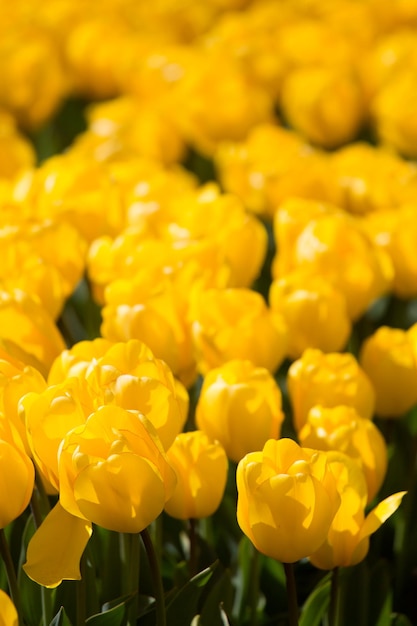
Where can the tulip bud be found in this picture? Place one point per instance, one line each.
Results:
(237, 324)
(240, 405)
(201, 468)
(314, 310)
(328, 380)
(389, 358)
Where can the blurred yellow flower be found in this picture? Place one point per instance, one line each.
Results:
(314, 311)
(236, 324)
(8, 613)
(389, 358)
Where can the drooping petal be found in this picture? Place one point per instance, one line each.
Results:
(55, 550)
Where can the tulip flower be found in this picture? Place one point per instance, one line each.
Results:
(328, 380)
(389, 358)
(347, 541)
(314, 310)
(200, 464)
(16, 482)
(237, 324)
(8, 613)
(112, 472)
(341, 428)
(240, 406)
(287, 499)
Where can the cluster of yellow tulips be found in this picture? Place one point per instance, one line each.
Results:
(208, 326)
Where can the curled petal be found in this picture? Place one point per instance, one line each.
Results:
(55, 550)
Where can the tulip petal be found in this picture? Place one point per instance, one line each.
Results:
(125, 493)
(381, 513)
(8, 613)
(55, 550)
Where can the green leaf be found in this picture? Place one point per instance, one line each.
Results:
(113, 617)
(316, 605)
(60, 619)
(185, 603)
(218, 599)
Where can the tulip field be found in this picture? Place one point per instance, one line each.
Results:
(208, 313)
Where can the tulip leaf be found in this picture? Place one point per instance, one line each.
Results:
(113, 617)
(61, 619)
(184, 606)
(219, 598)
(316, 605)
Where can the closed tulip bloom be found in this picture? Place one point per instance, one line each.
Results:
(113, 471)
(286, 499)
(341, 428)
(347, 541)
(201, 468)
(328, 380)
(29, 330)
(314, 310)
(389, 358)
(324, 104)
(240, 405)
(8, 613)
(17, 477)
(237, 324)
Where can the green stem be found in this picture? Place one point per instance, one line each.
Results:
(11, 575)
(254, 587)
(156, 578)
(291, 594)
(334, 598)
(82, 594)
(133, 579)
(193, 548)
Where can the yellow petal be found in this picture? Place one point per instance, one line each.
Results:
(55, 550)
(8, 613)
(381, 513)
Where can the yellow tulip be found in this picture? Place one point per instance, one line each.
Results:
(389, 358)
(237, 324)
(113, 471)
(324, 104)
(314, 310)
(328, 380)
(26, 325)
(17, 477)
(8, 613)
(347, 541)
(240, 406)
(201, 468)
(286, 499)
(341, 428)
